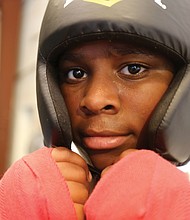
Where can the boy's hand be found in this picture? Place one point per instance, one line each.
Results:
(122, 155)
(77, 176)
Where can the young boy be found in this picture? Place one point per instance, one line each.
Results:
(109, 75)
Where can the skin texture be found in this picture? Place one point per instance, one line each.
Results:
(110, 90)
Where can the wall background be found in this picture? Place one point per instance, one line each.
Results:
(10, 12)
(26, 132)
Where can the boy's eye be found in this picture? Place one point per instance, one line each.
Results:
(133, 69)
(76, 74)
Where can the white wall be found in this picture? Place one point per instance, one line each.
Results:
(26, 132)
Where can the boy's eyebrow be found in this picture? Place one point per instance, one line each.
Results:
(128, 51)
(71, 56)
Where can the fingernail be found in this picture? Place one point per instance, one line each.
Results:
(89, 176)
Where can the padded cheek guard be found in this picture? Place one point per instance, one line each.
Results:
(169, 126)
(167, 30)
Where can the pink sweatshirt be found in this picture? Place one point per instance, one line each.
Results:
(140, 186)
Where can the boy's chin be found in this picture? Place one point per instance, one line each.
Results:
(104, 158)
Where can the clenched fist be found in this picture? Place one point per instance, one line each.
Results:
(76, 173)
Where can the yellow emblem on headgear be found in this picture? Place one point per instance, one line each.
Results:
(108, 3)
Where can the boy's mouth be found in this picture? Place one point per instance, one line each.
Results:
(104, 140)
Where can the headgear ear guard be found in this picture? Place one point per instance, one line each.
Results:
(164, 26)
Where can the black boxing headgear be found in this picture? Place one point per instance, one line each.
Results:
(165, 25)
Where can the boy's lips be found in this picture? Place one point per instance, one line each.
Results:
(104, 140)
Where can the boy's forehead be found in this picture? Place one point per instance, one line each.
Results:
(113, 49)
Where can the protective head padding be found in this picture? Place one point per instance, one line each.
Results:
(164, 28)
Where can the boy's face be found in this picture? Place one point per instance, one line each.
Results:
(110, 90)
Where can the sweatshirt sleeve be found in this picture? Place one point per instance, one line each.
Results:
(141, 186)
(33, 188)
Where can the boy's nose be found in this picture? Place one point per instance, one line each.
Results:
(101, 96)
